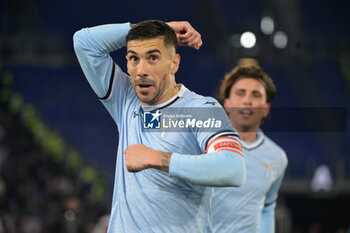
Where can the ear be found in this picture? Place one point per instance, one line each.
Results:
(175, 63)
(267, 110)
(127, 64)
(226, 104)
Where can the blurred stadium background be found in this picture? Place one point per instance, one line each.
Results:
(58, 144)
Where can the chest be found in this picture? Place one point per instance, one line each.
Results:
(261, 170)
(135, 132)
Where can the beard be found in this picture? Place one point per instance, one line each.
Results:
(242, 125)
(149, 98)
(149, 95)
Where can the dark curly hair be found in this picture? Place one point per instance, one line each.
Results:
(247, 71)
(149, 29)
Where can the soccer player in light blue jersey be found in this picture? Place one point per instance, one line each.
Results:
(162, 180)
(247, 92)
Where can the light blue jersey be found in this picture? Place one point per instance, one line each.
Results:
(250, 208)
(152, 200)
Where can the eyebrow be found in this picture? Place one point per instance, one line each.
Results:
(148, 52)
(254, 91)
(153, 51)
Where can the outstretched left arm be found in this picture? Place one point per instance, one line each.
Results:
(140, 157)
(217, 169)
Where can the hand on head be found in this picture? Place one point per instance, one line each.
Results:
(186, 34)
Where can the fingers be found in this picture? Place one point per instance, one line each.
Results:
(132, 170)
(186, 38)
(135, 157)
(193, 41)
(186, 34)
(128, 158)
(190, 37)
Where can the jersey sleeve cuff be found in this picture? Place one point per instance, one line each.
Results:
(174, 164)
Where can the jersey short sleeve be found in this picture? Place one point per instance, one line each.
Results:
(215, 122)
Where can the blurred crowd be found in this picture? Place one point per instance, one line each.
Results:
(37, 193)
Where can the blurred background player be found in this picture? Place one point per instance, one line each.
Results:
(247, 92)
(160, 180)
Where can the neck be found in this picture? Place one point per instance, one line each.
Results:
(170, 93)
(248, 136)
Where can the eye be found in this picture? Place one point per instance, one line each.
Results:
(257, 94)
(240, 93)
(153, 57)
(133, 58)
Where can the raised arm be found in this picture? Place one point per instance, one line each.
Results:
(92, 47)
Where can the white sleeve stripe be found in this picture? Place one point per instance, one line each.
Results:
(227, 133)
(109, 93)
(221, 139)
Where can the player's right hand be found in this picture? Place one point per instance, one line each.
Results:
(186, 34)
(139, 157)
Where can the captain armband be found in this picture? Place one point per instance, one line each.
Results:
(224, 143)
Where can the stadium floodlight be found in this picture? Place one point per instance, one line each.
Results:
(248, 40)
(280, 40)
(267, 25)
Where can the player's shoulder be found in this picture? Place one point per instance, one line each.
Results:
(276, 149)
(193, 99)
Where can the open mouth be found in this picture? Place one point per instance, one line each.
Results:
(246, 112)
(144, 85)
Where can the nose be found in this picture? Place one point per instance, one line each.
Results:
(247, 100)
(142, 69)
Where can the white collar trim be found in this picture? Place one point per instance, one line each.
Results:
(177, 95)
(254, 144)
